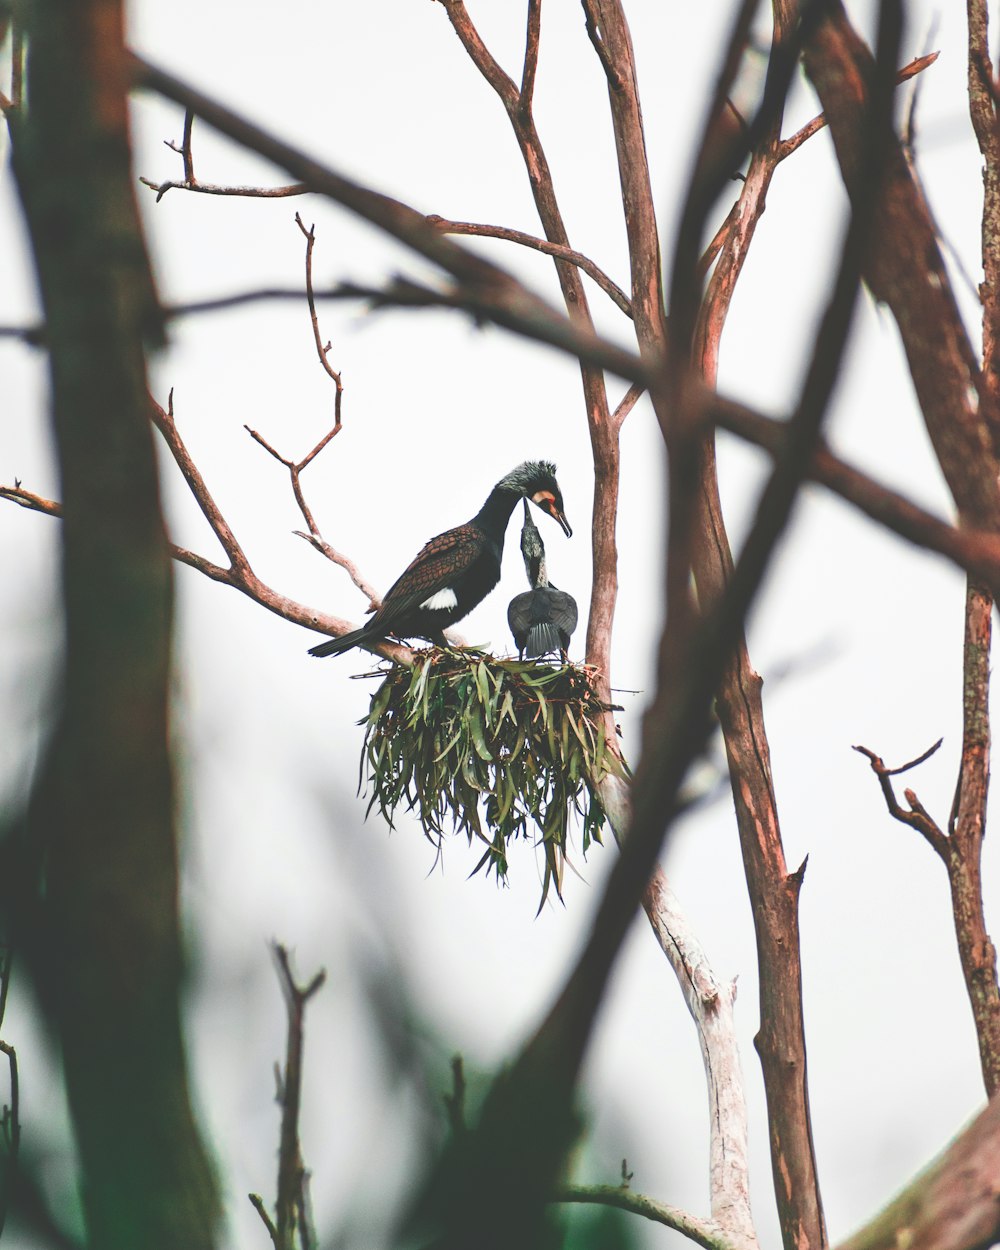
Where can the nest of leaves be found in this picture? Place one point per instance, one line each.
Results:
(495, 749)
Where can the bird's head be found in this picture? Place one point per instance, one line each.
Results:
(536, 480)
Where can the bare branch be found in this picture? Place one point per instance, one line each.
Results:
(702, 1232)
(711, 1006)
(530, 55)
(211, 188)
(710, 1003)
(558, 250)
(163, 419)
(348, 565)
(795, 141)
(249, 585)
(492, 293)
(323, 351)
(907, 272)
(291, 1170)
(952, 1204)
(915, 816)
(967, 829)
(976, 551)
(626, 404)
(191, 183)
(983, 111)
(257, 1202)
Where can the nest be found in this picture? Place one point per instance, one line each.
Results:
(495, 749)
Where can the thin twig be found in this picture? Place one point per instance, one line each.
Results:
(257, 1202)
(705, 1233)
(191, 183)
(558, 250)
(916, 815)
(795, 141)
(322, 350)
(291, 1171)
(493, 293)
(163, 419)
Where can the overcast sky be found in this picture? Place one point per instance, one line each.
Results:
(858, 637)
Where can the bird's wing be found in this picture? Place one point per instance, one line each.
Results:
(435, 568)
(564, 610)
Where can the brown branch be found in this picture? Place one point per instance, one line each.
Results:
(976, 551)
(163, 419)
(795, 141)
(102, 934)
(625, 405)
(530, 55)
(295, 467)
(322, 350)
(476, 230)
(915, 815)
(251, 586)
(906, 271)
(952, 1204)
(774, 892)
(488, 291)
(983, 112)
(240, 575)
(967, 829)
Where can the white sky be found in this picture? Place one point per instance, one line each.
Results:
(434, 412)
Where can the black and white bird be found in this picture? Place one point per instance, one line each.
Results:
(456, 570)
(542, 618)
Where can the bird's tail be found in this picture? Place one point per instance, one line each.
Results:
(335, 646)
(542, 638)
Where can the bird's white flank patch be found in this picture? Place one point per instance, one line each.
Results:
(441, 599)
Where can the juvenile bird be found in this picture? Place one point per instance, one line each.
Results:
(542, 618)
(456, 570)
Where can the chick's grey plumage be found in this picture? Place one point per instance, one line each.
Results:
(456, 570)
(543, 618)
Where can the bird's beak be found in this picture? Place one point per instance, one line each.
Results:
(547, 503)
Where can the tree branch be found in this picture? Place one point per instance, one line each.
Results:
(967, 829)
(906, 271)
(558, 250)
(489, 291)
(101, 932)
(795, 141)
(702, 1232)
(952, 1204)
(915, 816)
